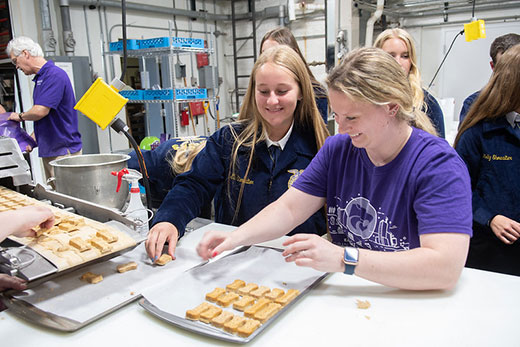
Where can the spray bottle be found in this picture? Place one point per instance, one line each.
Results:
(135, 210)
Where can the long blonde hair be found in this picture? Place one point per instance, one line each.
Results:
(372, 75)
(501, 94)
(414, 76)
(185, 153)
(306, 114)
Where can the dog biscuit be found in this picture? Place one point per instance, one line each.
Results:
(194, 313)
(247, 288)
(210, 313)
(267, 312)
(243, 302)
(107, 235)
(227, 299)
(248, 328)
(215, 294)
(101, 245)
(260, 291)
(287, 297)
(127, 267)
(260, 304)
(274, 294)
(222, 319)
(235, 323)
(163, 259)
(237, 284)
(91, 277)
(68, 227)
(79, 244)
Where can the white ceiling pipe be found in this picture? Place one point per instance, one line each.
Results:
(370, 23)
(311, 7)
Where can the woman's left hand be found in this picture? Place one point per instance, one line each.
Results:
(314, 251)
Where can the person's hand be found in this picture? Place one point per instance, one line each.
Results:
(506, 229)
(28, 217)
(159, 234)
(14, 116)
(28, 148)
(215, 242)
(314, 251)
(11, 282)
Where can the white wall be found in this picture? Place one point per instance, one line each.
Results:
(466, 68)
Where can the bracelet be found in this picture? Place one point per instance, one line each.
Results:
(20, 116)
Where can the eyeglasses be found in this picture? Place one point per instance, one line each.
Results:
(15, 59)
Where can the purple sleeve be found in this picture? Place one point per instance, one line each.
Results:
(313, 180)
(443, 197)
(51, 91)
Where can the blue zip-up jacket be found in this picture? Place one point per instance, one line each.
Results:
(434, 112)
(210, 175)
(491, 150)
(466, 105)
(322, 102)
(160, 173)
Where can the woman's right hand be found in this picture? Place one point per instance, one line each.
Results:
(159, 234)
(507, 230)
(215, 242)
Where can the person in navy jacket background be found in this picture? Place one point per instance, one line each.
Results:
(250, 163)
(164, 163)
(399, 44)
(489, 142)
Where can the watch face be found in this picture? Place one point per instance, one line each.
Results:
(351, 256)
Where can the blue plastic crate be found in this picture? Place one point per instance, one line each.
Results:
(184, 42)
(159, 94)
(132, 94)
(154, 43)
(118, 46)
(191, 93)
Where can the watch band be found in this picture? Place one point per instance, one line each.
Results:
(20, 116)
(350, 259)
(349, 269)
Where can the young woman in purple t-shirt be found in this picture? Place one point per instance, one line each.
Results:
(398, 198)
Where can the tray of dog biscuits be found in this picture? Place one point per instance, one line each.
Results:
(235, 297)
(73, 240)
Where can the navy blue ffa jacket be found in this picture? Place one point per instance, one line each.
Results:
(158, 167)
(491, 150)
(210, 177)
(322, 102)
(466, 105)
(434, 112)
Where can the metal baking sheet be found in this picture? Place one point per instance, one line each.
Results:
(43, 270)
(261, 265)
(67, 304)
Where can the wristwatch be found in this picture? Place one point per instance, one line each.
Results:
(350, 258)
(20, 116)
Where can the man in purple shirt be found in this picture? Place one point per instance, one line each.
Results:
(55, 120)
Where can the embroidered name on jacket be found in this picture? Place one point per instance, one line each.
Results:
(490, 157)
(240, 179)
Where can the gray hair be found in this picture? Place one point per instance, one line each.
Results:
(23, 43)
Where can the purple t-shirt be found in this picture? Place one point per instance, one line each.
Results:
(425, 189)
(57, 133)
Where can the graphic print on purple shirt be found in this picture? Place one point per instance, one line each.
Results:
(359, 224)
(386, 208)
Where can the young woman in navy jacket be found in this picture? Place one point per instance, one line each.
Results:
(249, 164)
